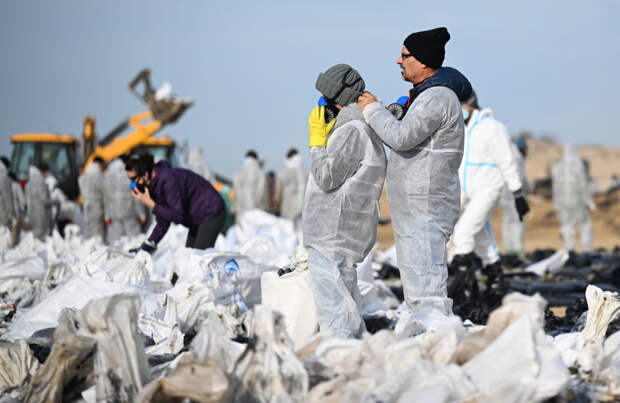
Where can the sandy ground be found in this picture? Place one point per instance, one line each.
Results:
(542, 229)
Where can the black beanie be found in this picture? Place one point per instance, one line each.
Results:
(428, 46)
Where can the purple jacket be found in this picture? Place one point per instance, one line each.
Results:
(182, 197)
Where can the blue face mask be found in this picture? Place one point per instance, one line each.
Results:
(465, 113)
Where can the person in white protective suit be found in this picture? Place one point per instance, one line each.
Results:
(196, 162)
(422, 174)
(291, 186)
(123, 214)
(38, 204)
(488, 163)
(8, 209)
(513, 229)
(341, 208)
(91, 189)
(573, 199)
(19, 199)
(250, 186)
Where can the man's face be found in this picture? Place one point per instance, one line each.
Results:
(411, 69)
(133, 176)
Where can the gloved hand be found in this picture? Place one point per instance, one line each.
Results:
(521, 204)
(147, 246)
(318, 128)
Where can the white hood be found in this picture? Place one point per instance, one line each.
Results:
(34, 172)
(117, 165)
(93, 169)
(293, 162)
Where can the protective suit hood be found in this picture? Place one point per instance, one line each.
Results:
(116, 165)
(249, 161)
(3, 170)
(483, 113)
(571, 153)
(346, 114)
(93, 169)
(444, 77)
(34, 172)
(196, 157)
(293, 162)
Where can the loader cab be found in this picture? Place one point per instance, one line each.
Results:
(161, 148)
(56, 150)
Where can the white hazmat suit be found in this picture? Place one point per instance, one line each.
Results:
(340, 216)
(573, 199)
(8, 209)
(250, 187)
(91, 189)
(39, 212)
(291, 186)
(19, 199)
(423, 189)
(122, 211)
(196, 162)
(513, 229)
(487, 163)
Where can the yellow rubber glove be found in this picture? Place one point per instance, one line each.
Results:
(318, 128)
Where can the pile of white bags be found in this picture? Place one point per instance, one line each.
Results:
(229, 328)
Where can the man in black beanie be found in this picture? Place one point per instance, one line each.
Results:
(422, 174)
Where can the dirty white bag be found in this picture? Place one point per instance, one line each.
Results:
(120, 366)
(269, 370)
(549, 265)
(70, 362)
(75, 293)
(603, 307)
(196, 380)
(520, 355)
(213, 342)
(18, 365)
(291, 295)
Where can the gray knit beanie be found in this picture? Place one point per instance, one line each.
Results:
(341, 84)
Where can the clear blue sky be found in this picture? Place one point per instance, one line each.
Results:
(547, 66)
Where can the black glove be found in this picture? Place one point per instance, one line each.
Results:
(521, 204)
(147, 246)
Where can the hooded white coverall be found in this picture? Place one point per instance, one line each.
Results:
(250, 187)
(513, 229)
(423, 190)
(487, 163)
(340, 216)
(8, 209)
(291, 187)
(573, 198)
(120, 208)
(91, 189)
(38, 202)
(196, 162)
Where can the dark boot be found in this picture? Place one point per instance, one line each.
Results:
(462, 284)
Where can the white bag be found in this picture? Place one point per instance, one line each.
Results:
(291, 295)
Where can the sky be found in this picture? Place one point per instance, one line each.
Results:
(549, 67)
